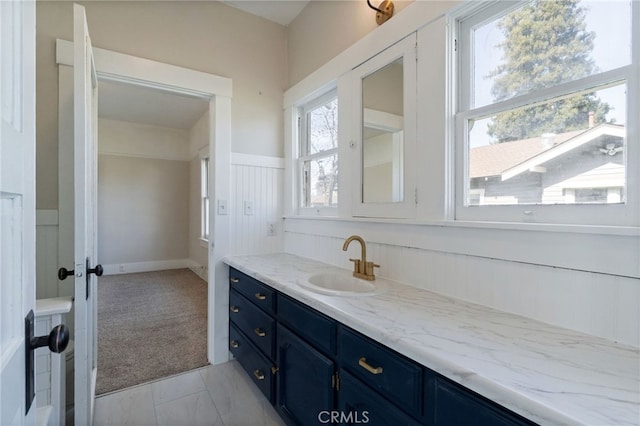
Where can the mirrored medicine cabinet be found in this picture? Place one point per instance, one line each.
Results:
(385, 133)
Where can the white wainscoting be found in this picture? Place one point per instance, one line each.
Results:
(595, 303)
(258, 180)
(46, 254)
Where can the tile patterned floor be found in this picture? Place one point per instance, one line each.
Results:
(220, 395)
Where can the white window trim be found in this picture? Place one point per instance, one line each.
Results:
(204, 184)
(583, 214)
(300, 159)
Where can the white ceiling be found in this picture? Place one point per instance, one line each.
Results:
(126, 102)
(281, 12)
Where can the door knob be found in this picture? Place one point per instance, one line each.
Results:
(57, 340)
(98, 270)
(63, 273)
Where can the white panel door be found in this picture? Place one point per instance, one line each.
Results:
(17, 205)
(85, 219)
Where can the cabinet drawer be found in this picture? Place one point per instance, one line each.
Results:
(260, 369)
(395, 377)
(253, 322)
(363, 405)
(260, 294)
(455, 404)
(314, 327)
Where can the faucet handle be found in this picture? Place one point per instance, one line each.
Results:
(369, 268)
(356, 265)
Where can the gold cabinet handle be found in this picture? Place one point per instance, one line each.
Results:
(234, 344)
(234, 309)
(258, 374)
(260, 296)
(259, 332)
(362, 362)
(234, 280)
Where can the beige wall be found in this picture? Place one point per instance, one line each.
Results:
(143, 193)
(143, 209)
(206, 36)
(325, 28)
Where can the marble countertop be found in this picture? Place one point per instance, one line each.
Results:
(548, 374)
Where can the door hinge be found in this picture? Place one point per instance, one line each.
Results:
(335, 381)
(415, 195)
(455, 45)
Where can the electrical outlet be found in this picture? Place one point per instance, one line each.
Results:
(271, 229)
(248, 207)
(222, 207)
(121, 268)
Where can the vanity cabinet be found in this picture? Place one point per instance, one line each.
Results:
(306, 368)
(316, 370)
(457, 405)
(393, 376)
(305, 380)
(364, 405)
(252, 329)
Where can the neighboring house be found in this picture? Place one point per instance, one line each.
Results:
(583, 166)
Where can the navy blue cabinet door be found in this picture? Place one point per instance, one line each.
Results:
(358, 404)
(456, 405)
(304, 381)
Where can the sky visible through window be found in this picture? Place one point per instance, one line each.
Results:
(611, 22)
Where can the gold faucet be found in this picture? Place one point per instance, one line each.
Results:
(361, 268)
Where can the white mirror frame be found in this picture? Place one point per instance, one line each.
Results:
(406, 49)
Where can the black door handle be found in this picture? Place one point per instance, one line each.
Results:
(57, 342)
(98, 270)
(63, 273)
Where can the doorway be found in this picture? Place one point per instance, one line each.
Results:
(116, 67)
(152, 299)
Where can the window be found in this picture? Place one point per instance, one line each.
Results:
(204, 196)
(543, 128)
(318, 153)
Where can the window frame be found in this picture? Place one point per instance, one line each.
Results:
(205, 203)
(302, 155)
(463, 22)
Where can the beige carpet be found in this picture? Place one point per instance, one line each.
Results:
(150, 325)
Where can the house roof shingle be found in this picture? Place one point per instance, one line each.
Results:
(493, 160)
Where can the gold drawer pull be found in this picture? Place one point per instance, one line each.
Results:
(260, 296)
(362, 362)
(258, 374)
(234, 344)
(234, 280)
(234, 309)
(259, 332)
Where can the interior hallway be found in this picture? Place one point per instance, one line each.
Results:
(221, 395)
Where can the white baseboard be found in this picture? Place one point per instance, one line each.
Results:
(154, 265)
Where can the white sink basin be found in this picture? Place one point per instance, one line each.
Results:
(340, 284)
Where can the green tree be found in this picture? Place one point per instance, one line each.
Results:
(546, 43)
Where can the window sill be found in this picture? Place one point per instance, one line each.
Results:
(204, 243)
(631, 231)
